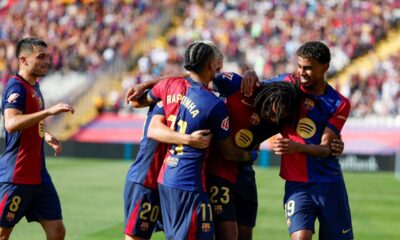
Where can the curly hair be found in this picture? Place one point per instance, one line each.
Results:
(316, 50)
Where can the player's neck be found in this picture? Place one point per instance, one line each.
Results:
(27, 77)
(199, 78)
(318, 89)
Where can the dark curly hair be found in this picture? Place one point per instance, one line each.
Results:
(278, 99)
(317, 50)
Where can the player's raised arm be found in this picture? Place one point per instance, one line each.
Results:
(135, 96)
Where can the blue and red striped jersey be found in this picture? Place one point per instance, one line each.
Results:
(150, 156)
(329, 110)
(189, 106)
(248, 130)
(23, 161)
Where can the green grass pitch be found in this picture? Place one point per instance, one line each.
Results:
(91, 193)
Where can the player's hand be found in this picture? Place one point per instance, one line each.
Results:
(60, 108)
(54, 143)
(283, 145)
(200, 139)
(250, 83)
(337, 147)
(134, 92)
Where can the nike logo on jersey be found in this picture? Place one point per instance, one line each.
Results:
(345, 231)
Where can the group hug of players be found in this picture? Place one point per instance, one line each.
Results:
(193, 174)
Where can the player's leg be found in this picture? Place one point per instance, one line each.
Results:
(14, 202)
(54, 229)
(222, 201)
(186, 214)
(246, 207)
(300, 210)
(46, 209)
(142, 211)
(335, 217)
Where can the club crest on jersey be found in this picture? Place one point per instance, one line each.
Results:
(206, 227)
(225, 124)
(218, 209)
(12, 98)
(144, 226)
(10, 216)
(243, 138)
(308, 104)
(160, 104)
(255, 119)
(288, 222)
(227, 75)
(41, 128)
(306, 128)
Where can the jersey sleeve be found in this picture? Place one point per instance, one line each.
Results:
(338, 119)
(158, 108)
(227, 83)
(158, 90)
(219, 119)
(287, 77)
(14, 97)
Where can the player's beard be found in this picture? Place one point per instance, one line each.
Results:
(41, 71)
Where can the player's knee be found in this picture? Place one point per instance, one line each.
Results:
(5, 233)
(57, 233)
(301, 235)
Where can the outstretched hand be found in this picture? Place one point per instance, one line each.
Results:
(60, 108)
(134, 92)
(283, 145)
(200, 139)
(250, 83)
(54, 143)
(337, 147)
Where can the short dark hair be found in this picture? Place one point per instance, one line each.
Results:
(28, 44)
(197, 56)
(278, 98)
(315, 49)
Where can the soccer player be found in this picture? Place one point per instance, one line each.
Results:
(314, 185)
(232, 186)
(141, 197)
(26, 188)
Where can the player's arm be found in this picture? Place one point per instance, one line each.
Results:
(53, 142)
(249, 83)
(15, 120)
(285, 145)
(135, 96)
(160, 132)
(232, 153)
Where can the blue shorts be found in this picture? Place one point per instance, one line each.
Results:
(233, 202)
(142, 210)
(186, 214)
(304, 202)
(35, 202)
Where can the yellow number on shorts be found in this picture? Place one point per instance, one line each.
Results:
(289, 208)
(204, 208)
(225, 196)
(213, 192)
(15, 201)
(146, 207)
(182, 129)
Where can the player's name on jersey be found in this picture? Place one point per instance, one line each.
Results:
(185, 101)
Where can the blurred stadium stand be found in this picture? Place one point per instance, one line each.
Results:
(102, 47)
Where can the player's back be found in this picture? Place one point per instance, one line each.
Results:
(184, 166)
